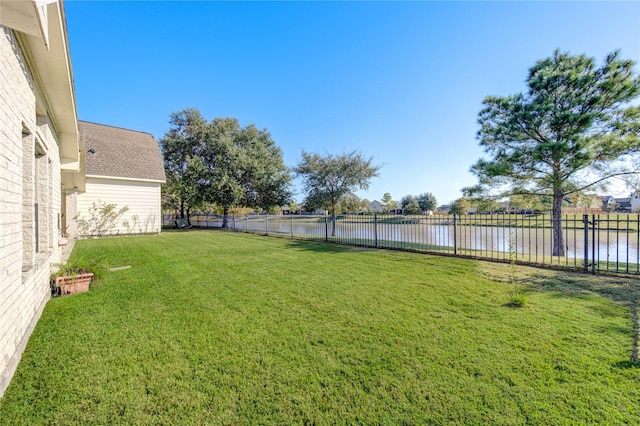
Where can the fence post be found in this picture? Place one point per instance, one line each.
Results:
(292, 226)
(266, 224)
(375, 227)
(455, 235)
(585, 221)
(594, 263)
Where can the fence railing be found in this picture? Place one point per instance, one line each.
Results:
(595, 243)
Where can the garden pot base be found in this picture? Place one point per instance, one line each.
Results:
(73, 284)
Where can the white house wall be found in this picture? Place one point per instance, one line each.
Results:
(635, 202)
(142, 200)
(29, 174)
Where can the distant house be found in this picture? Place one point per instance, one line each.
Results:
(608, 202)
(376, 206)
(123, 167)
(444, 208)
(398, 209)
(624, 204)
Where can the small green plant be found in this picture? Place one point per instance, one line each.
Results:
(75, 276)
(517, 298)
(80, 266)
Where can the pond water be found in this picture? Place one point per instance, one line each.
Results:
(610, 246)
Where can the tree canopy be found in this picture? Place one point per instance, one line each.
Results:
(388, 202)
(417, 204)
(406, 200)
(572, 130)
(460, 207)
(427, 201)
(411, 207)
(327, 180)
(180, 149)
(222, 163)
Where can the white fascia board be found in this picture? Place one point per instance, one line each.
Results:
(125, 178)
(43, 19)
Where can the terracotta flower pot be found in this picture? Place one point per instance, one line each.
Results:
(73, 284)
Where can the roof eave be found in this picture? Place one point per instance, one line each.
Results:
(41, 31)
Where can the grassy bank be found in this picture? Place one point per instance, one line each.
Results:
(228, 328)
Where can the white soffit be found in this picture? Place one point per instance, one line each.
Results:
(42, 26)
(26, 16)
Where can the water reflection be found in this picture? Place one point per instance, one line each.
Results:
(525, 241)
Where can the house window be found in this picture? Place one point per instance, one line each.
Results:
(29, 206)
(36, 175)
(42, 198)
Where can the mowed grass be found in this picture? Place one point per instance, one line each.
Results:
(210, 327)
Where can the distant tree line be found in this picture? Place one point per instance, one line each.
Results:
(575, 129)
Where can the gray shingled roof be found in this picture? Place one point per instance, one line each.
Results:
(121, 153)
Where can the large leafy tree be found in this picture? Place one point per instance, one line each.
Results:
(181, 147)
(411, 207)
(530, 202)
(416, 204)
(267, 180)
(229, 165)
(327, 180)
(460, 207)
(568, 133)
(388, 202)
(245, 168)
(350, 203)
(427, 201)
(406, 200)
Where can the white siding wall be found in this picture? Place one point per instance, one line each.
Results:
(635, 202)
(24, 272)
(141, 198)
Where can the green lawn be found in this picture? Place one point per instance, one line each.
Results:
(209, 327)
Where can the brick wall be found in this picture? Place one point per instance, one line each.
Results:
(29, 173)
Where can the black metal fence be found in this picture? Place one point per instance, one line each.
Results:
(595, 243)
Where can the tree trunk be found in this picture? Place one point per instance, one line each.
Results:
(332, 208)
(225, 218)
(181, 209)
(556, 221)
(333, 224)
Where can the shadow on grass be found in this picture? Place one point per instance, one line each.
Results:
(326, 247)
(623, 291)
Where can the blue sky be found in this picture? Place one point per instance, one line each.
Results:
(402, 82)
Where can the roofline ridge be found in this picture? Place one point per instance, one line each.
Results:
(115, 127)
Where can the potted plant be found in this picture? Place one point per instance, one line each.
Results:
(73, 277)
